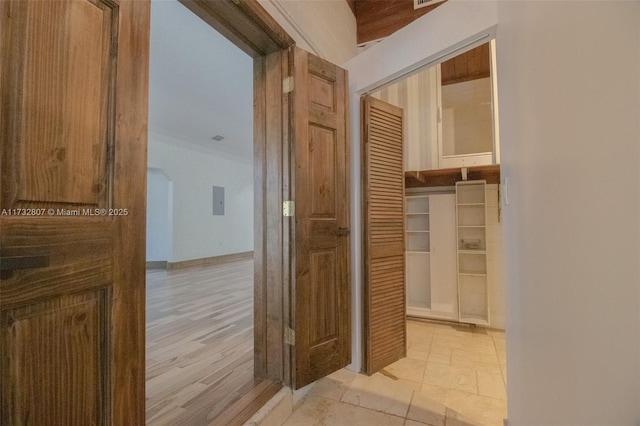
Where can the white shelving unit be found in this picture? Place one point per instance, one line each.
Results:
(471, 225)
(418, 262)
(431, 256)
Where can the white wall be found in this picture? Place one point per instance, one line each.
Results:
(326, 28)
(568, 75)
(159, 216)
(193, 171)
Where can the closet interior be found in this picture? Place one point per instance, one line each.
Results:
(452, 226)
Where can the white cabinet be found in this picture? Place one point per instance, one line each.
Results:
(471, 225)
(431, 256)
(466, 127)
(448, 125)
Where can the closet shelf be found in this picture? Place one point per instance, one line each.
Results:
(473, 319)
(449, 177)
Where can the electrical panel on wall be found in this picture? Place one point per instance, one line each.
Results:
(218, 201)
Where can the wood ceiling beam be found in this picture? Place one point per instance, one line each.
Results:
(380, 18)
(469, 65)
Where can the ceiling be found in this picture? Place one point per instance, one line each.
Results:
(200, 84)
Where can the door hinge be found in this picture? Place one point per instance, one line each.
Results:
(288, 208)
(287, 85)
(289, 336)
(439, 114)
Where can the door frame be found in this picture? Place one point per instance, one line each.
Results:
(247, 25)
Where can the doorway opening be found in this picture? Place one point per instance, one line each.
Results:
(199, 323)
(443, 119)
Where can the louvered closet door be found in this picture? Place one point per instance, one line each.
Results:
(383, 209)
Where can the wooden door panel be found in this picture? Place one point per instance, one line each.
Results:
(58, 344)
(80, 257)
(323, 293)
(383, 220)
(73, 111)
(322, 158)
(321, 92)
(322, 276)
(57, 122)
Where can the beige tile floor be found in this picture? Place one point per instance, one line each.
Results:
(452, 375)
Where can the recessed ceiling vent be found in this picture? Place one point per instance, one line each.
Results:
(417, 4)
(218, 138)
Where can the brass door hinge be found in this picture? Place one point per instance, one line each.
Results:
(287, 85)
(288, 208)
(289, 336)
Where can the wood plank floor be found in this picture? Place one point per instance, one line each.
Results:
(199, 342)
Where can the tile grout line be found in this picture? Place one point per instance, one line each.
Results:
(358, 406)
(409, 406)
(504, 381)
(430, 339)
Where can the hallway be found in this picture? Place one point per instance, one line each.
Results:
(200, 359)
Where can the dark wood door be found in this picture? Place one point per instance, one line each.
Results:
(322, 266)
(385, 335)
(73, 112)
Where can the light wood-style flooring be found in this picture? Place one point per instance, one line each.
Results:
(199, 342)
